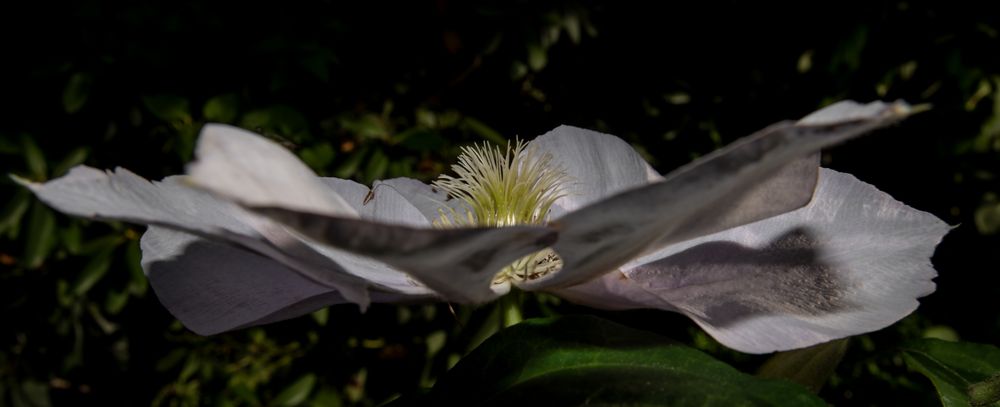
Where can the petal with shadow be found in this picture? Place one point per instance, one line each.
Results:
(213, 287)
(252, 170)
(383, 205)
(853, 261)
(458, 263)
(429, 200)
(123, 195)
(700, 198)
(597, 165)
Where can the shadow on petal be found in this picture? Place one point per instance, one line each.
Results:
(852, 261)
(685, 205)
(724, 282)
(213, 287)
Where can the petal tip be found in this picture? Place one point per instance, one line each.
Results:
(24, 182)
(849, 110)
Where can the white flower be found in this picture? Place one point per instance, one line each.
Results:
(757, 244)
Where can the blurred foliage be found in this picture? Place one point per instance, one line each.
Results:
(963, 373)
(583, 360)
(372, 90)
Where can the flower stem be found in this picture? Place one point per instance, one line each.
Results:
(510, 308)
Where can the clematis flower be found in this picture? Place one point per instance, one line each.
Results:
(755, 242)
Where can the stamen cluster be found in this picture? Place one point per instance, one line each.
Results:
(503, 188)
(514, 186)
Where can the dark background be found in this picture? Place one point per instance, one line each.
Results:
(379, 90)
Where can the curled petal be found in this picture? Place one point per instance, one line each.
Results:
(613, 291)
(846, 111)
(253, 170)
(853, 261)
(400, 201)
(383, 205)
(606, 234)
(213, 287)
(430, 201)
(122, 195)
(458, 263)
(597, 165)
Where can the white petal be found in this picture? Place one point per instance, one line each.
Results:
(122, 195)
(853, 261)
(429, 200)
(383, 205)
(602, 236)
(213, 287)
(253, 170)
(790, 188)
(260, 174)
(612, 291)
(598, 165)
(849, 110)
(256, 172)
(458, 263)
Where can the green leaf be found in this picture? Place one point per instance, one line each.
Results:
(115, 301)
(484, 131)
(279, 119)
(987, 218)
(222, 108)
(74, 158)
(172, 359)
(137, 284)
(958, 370)
(76, 92)
(318, 157)
(378, 163)
(518, 70)
(571, 23)
(169, 108)
(100, 244)
(326, 398)
(64, 298)
(36, 393)
(810, 367)
(401, 167)
(12, 213)
(587, 360)
(420, 139)
(41, 235)
(349, 167)
(368, 126)
(72, 238)
(244, 394)
(191, 365)
(35, 159)
(297, 392)
(95, 269)
(537, 57)
(321, 316)
(426, 118)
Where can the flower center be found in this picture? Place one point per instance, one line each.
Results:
(505, 187)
